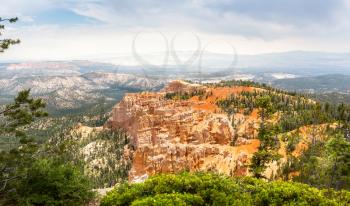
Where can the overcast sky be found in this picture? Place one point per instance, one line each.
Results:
(93, 29)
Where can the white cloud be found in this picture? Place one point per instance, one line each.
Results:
(25, 7)
(250, 29)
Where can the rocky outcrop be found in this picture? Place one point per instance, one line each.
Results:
(171, 135)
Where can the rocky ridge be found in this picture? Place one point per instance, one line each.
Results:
(182, 128)
(172, 136)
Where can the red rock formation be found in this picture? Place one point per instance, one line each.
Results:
(171, 136)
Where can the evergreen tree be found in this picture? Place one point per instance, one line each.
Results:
(326, 164)
(338, 149)
(25, 179)
(265, 106)
(6, 43)
(14, 117)
(269, 142)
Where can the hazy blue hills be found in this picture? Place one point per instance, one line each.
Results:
(316, 84)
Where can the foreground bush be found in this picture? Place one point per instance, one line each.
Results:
(211, 189)
(51, 183)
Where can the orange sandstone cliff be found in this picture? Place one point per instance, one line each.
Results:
(175, 135)
(188, 131)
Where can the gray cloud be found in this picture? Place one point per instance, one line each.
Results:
(281, 11)
(257, 18)
(220, 15)
(318, 23)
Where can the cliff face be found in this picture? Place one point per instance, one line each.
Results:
(176, 135)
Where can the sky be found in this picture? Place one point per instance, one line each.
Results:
(117, 29)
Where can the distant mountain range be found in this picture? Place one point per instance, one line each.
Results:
(316, 84)
(73, 84)
(53, 68)
(297, 62)
(302, 63)
(74, 91)
(86, 82)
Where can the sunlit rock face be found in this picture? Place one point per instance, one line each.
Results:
(175, 135)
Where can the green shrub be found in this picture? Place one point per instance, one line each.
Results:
(212, 189)
(52, 183)
(170, 199)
